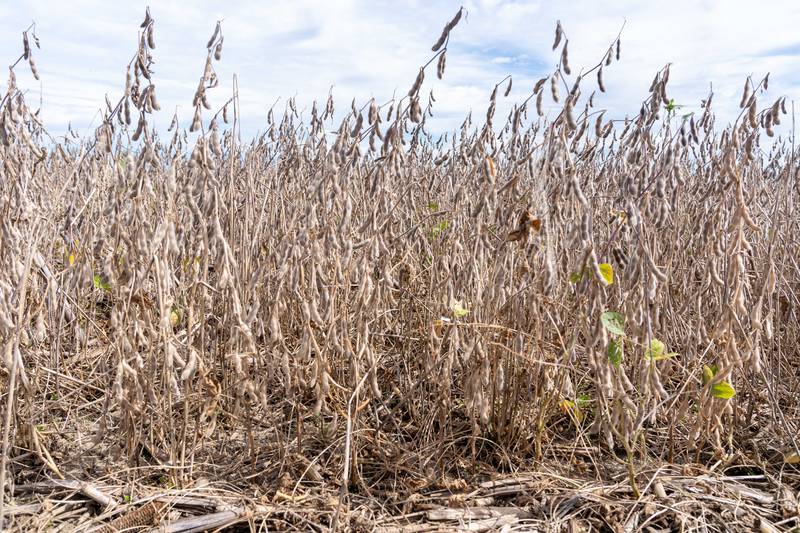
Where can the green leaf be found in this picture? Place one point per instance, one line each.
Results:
(709, 372)
(614, 322)
(568, 406)
(433, 206)
(575, 277)
(440, 227)
(100, 284)
(608, 273)
(656, 351)
(615, 352)
(723, 390)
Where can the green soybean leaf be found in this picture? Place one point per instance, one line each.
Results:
(709, 372)
(440, 227)
(100, 284)
(615, 352)
(614, 322)
(723, 390)
(608, 272)
(656, 351)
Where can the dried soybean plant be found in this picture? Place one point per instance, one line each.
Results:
(350, 300)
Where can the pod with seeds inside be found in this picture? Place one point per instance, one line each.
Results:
(442, 38)
(328, 108)
(389, 137)
(415, 112)
(775, 111)
(539, 85)
(745, 94)
(213, 36)
(568, 107)
(139, 129)
(565, 59)
(508, 89)
(208, 70)
(598, 125)
(539, 110)
(128, 81)
(357, 128)
(372, 116)
(575, 92)
(559, 33)
(216, 144)
(654, 84)
(143, 66)
(441, 64)
(417, 83)
(196, 121)
(151, 41)
(26, 47)
(446, 31)
(34, 71)
(619, 46)
(752, 112)
(600, 83)
(152, 95)
(554, 88)
(218, 49)
(581, 131)
(768, 127)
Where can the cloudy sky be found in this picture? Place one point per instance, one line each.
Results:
(374, 48)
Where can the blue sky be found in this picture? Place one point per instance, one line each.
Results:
(365, 48)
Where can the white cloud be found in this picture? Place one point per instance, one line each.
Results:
(365, 49)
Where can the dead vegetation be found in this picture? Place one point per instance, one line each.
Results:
(554, 322)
